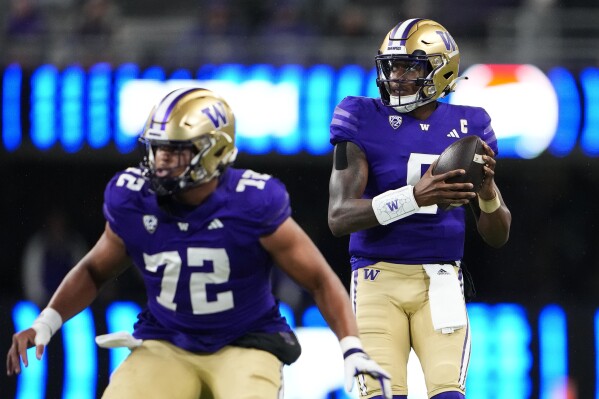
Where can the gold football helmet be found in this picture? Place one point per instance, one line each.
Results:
(418, 45)
(192, 118)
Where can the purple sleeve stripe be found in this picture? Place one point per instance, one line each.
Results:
(347, 125)
(488, 129)
(108, 215)
(341, 112)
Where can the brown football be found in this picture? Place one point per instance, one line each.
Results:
(466, 153)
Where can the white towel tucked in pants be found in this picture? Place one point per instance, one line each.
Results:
(448, 309)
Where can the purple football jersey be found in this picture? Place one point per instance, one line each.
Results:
(207, 277)
(399, 149)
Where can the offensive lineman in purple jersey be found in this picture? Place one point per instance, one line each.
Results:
(205, 237)
(405, 250)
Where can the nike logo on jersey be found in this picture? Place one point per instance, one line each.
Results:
(371, 274)
(215, 224)
(453, 134)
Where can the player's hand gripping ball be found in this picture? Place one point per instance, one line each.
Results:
(466, 153)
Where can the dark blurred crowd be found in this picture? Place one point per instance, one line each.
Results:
(147, 31)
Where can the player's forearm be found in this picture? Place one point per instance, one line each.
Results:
(76, 292)
(334, 305)
(495, 219)
(351, 216)
(495, 227)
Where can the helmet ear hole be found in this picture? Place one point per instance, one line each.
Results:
(219, 152)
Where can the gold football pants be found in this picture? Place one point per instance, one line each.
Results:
(160, 370)
(393, 314)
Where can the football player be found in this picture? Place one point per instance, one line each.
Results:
(205, 237)
(405, 251)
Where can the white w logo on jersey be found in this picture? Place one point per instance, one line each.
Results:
(424, 127)
(183, 226)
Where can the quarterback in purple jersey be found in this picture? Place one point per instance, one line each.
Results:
(406, 251)
(205, 237)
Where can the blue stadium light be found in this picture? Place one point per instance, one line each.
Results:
(318, 110)
(313, 318)
(256, 76)
(291, 75)
(181, 74)
(98, 106)
(80, 377)
(232, 73)
(206, 72)
(229, 72)
(72, 108)
(44, 86)
(84, 108)
(569, 112)
(287, 313)
(372, 90)
(502, 333)
(480, 373)
(124, 142)
(127, 142)
(31, 383)
(154, 72)
(513, 336)
(11, 114)
(350, 81)
(266, 108)
(589, 80)
(553, 352)
(120, 316)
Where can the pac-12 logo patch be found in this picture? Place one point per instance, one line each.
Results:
(395, 121)
(150, 223)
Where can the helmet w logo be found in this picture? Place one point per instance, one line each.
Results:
(447, 40)
(217, 115)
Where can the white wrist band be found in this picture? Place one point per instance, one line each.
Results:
(46, 325)
(393, 205)
(489, 206)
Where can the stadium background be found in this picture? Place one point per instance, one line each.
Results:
(552, 258)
